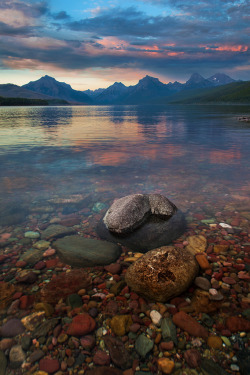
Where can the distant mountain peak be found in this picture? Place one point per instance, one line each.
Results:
(220, 79)
(196, 78)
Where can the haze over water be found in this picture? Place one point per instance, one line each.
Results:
(188, 153)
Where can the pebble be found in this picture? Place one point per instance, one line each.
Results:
(3, 363)
(49, 365)
(31, 234)
(120, 324)
(12, 328)
(214, 342)
(202, 283)
(16, 356)
(189, 324)
(165, 365)
(192, 357)
(156, 317)
(143, 345)
(81, 325)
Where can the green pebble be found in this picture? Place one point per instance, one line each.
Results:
(208, 221)
(31, 234)
(226, 340)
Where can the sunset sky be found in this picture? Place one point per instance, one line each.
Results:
(91, 44)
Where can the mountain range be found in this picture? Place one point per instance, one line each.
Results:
(147, 90)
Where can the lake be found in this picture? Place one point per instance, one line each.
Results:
(191, 154)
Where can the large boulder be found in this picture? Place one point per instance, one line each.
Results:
(159, 226)
(85, 252)
(162, 273)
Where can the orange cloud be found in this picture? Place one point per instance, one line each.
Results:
(237, 48)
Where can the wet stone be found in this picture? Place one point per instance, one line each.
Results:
(25, 342)
(36, 356)
(31, 234)
(211, 368)
(118, 353)
(202, 283)
(45, 327)
(3, 363)
(143, 345)
(169, 330)
(32, 256)
(57, 231)
(12, 328)
(74, 301)
(16, 356)
(85, 252)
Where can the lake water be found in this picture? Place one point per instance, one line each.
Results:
(197, 156)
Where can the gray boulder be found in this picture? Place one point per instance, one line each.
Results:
(155, 232)
(85, 252)
(127, 213)
(162, 273)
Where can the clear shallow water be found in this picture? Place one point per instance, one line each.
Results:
(192, 154)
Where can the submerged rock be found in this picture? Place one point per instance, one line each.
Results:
(56, 231)
(155, 232)
(85, 252)
(162, 273)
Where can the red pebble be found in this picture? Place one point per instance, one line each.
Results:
(49, 365)
(235, 324)
(189, 324)
(20, 264)
(167, 345)
(51, 263)
(17, 295)
(81, 325)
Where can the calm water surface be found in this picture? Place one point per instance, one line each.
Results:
(190, 154)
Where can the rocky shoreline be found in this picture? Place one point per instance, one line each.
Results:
(58, 319)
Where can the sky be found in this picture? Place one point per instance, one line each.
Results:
(92, 44)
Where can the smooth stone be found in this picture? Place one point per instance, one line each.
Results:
(214, 342)
(127, 213)
(32, 256)
(49, 365)
(162, 273)
(118, 353)
(143, 345)
(154, 232)
(196, 244)
(120, 324)
(12, 328)
(81, 325)
(31, 234)
(44, 328)
(85, 252)
(169, 330)
(189, 324)
(36, 355)
(41, 245)
(211, 368)
(192, 357)
(16, 356)
(74, 300)
(56, 231)
(165, 365)
(25, 342)
(104, 370)
(3, 363)
(101, 358)
(202, 283)
(156, 317)
(12, 214)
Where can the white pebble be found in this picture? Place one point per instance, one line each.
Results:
(224, 225)
(156, 317)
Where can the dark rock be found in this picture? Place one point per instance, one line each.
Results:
(3, 363)
(32, 256)
(168, 330)
(49, 365)
(85, 252)
(16, 356)
(101, 358)
(36, 356)
(74, 300)
(28, 278)
(211, 368)
(88, 342)
(244, 361)
(56, 231)
(25, 342)
(143, 345)
(192, 357)
(117, 287)
(45, 327)
(189, 324)
(154, 232)
(162, 273)
(118, 353)
(127, 213)
(104, 370)
(12, 328)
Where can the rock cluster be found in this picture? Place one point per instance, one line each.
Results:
(142, 222)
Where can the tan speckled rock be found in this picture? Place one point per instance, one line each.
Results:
(196, 244)
(162, 273)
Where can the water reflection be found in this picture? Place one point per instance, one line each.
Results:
(75, 149)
